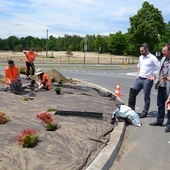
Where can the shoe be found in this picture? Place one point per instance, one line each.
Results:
(36, 90)
(143, 115)
(6, 89)
(167, 129)
(155, 124)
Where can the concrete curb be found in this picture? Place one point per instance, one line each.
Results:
(100, 88)
(107, 155)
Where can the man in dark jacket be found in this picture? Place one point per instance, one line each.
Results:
(163, 84)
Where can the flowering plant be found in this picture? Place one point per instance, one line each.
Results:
(27, 138)
(47, 120)
(4, 119)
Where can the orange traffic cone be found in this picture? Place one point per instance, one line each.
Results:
(117, 91)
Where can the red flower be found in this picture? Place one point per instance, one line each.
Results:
(45, 117)
(2, 118)
(27, 138)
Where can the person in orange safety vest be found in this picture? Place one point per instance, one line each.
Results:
(43, 82)
(11, 73)
(29, 60)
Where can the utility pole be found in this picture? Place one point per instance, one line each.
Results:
(47, 44)
(13, 44)
(85, 49)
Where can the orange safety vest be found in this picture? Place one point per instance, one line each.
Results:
(30, 57)
(12, 74)
(47, 80)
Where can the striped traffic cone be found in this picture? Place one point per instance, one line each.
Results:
(117, 91)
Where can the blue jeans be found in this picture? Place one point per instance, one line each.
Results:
(146, 85)
(161, 99)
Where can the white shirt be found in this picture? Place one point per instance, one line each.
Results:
(148, 65)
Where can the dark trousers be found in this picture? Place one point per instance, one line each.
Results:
(146, 85)
(161, 99)
(30, 65)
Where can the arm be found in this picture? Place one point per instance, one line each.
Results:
(25, 52)
(7, 80)
(167, 102)
(138, 70)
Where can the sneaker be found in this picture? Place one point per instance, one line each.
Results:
(167, 129)
(36, 90)
(143, 115)
(156, 123)
(6, 89)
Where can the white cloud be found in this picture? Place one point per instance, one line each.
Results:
(29, 17)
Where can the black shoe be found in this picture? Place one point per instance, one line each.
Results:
(155, 124)
(143, 115)
(167, 129)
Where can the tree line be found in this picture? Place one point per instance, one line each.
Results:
(146, 26)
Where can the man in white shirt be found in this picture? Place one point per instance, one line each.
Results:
(147, 65)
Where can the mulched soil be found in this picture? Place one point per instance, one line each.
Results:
(74, 144)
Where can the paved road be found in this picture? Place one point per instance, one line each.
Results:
(144, 148)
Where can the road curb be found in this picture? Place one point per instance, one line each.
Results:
(107, 155)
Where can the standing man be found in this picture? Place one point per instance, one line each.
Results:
(163, 82)
(148, 63)
(29, 60)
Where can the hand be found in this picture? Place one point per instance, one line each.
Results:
(166, 78)
(19, 80)
(151, 78)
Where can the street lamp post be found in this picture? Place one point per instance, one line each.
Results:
(85, 49)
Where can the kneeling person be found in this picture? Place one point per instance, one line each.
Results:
(44, 81)
(12, 76)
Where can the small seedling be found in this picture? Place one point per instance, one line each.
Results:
(51, 110)
(26, 99)
(57, 90)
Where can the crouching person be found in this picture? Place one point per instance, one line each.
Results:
(12, 76)
(43, 81)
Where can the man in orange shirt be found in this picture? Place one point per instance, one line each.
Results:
(29, 60)
(11, 75)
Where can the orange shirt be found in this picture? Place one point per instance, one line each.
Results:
(30, 57)
(47, 80)
(11, 74)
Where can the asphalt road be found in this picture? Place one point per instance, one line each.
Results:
(143, 148)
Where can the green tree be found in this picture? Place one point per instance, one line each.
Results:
(100, 41)
(117, 43)
(146, 26)
(165, 38)
(1, 44)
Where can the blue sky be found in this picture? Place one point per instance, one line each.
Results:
(22, 18)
